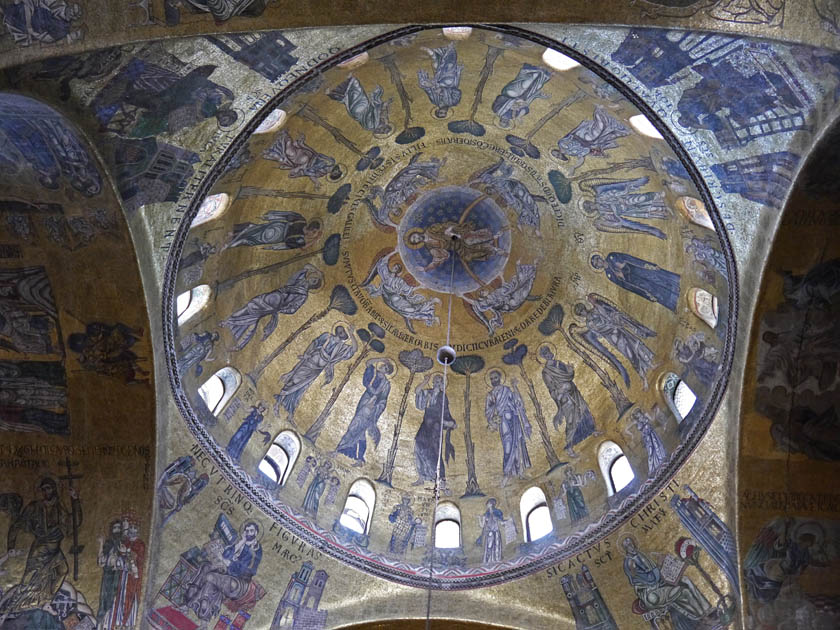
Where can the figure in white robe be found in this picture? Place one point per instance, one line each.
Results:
(287, 300)
(515, 99)
(616, 206)
(604, 320)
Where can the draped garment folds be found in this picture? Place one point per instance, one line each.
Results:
(370, 407)
(211, 586)
(312, 498)
(239, 439)
(644, 278)
(517, 95)
(427, 440)
(594, 136)
(46, 566)
(513, 425)
(683, 600)
(442, 89)
(281, 230)
(286, 300)
(321, 355)
(369, 111)
(559, 379)
(656, 453)
(491, 534)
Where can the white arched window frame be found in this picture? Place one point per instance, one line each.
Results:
(358, 507)
(212, 207)
(642, 124)
(535, 515)
(447, 526)
(191, 302)
(217, 390)
(278, 462)
(679, 397)
(615, 467)
(274, 121)
(556, 60)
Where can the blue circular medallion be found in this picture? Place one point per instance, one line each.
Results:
(454, 239)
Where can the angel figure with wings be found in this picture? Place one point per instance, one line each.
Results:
(399, 295)
(492, 304)
(604, 320)
(616, 207)
(781, 552)
(498, 179)
(403, 185)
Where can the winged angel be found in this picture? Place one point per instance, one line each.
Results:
(491, 305)
(404, 184)
(399, 295)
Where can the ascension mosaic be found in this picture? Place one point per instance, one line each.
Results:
(469, 187)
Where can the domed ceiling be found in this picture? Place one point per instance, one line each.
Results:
(483, 188)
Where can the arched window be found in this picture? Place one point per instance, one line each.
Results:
(358, 507)
(219, 389)
(281, 457)
(679, 397)
(536, 517)
(558, 61)
(642, 124)
(447, 526)
(615, 467)
(272, 122)
(212, 207)
(190, 302)
(456, 32)
(704, 305)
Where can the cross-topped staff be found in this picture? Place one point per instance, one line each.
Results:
(76, 549)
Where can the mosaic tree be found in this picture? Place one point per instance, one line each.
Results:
(470, 125)
(340, 301)
(370, 337)
(417, 363)
(516, 356)
(553, 323)
(369, 159)
(334, 201)
(329, 253)
(467, 366)
(409, 134)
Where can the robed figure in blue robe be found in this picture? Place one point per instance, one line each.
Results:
(505, 411)
(245, 431)
(642, 277)
(368, 410)
(427, 440)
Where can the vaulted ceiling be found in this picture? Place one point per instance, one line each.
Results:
(584, 213)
